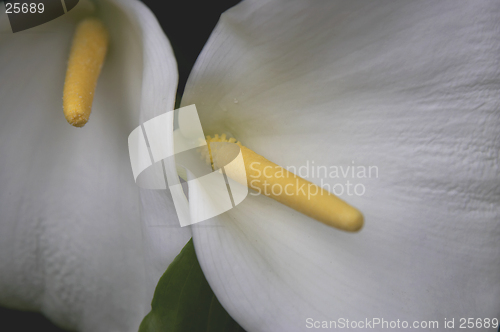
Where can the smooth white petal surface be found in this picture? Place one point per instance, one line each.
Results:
(163, 237)
(410, 87)
(71, 240)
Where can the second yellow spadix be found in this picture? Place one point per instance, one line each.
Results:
(287, 188)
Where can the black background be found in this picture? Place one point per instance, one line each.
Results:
(202, 16)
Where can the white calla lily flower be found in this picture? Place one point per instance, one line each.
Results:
(408, 87)
(71, 241)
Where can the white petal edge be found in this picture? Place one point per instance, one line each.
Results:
(72, 243)
(411, 88)
(163, 236)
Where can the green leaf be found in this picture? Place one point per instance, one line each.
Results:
(183, 300)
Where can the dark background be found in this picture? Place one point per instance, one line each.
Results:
(202, 16)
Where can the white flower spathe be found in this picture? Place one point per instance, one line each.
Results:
(410, 87)
(71, 241)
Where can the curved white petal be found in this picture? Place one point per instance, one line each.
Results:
(409, 87)
(71, 240)
(162, 235)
